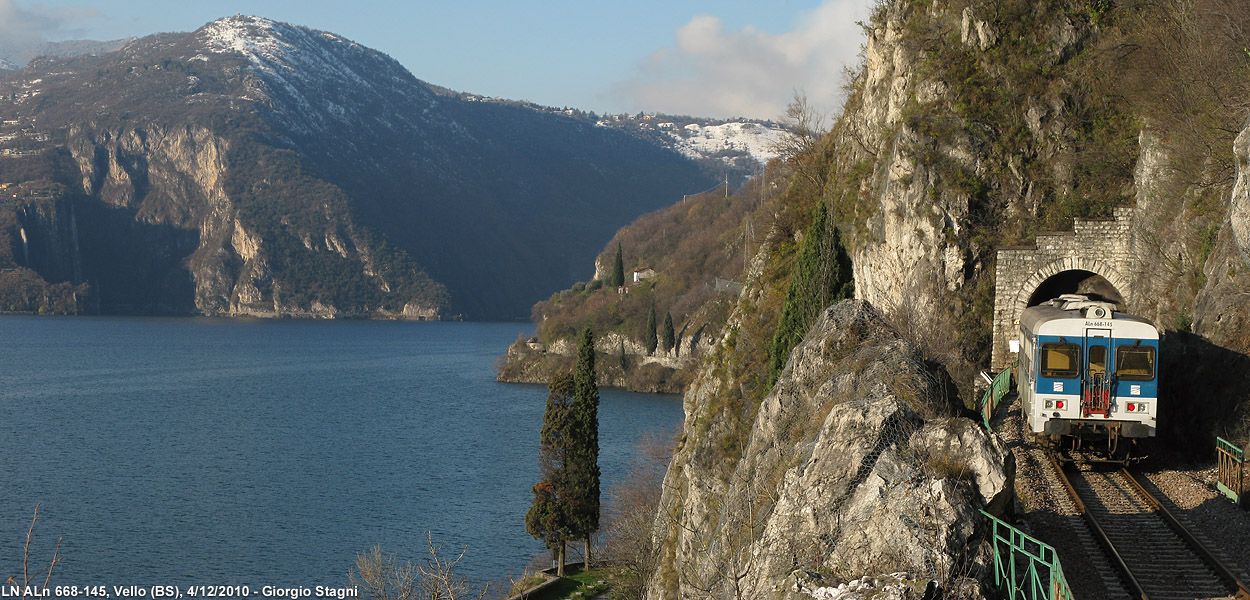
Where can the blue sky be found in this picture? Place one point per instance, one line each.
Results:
(713, 58)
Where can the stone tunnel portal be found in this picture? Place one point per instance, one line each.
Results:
(1093, 259)
(1077, 281)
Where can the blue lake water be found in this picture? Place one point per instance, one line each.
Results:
(227, 452)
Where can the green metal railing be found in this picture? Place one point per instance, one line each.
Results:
(993, 396)
(1232, 470)
(1025, 568)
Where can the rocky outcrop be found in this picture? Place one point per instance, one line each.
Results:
(623, 362)
(855, 464)
(1239, 209)
(153, 229)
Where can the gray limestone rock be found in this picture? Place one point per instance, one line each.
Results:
(847, 471)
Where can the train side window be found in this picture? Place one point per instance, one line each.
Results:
(1060, 360)
(1135, 363)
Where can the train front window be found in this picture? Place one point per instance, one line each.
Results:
(1059, 360)
(1135, 363)
(1097, 360)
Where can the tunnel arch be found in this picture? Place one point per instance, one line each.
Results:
(1077, 281)
(1072, 276)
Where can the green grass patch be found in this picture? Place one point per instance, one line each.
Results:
(575, 585)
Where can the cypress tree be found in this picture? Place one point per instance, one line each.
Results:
(649, 339)
(821, 277)
(667, 335)
(583, 456)
(618, 269)
(549, 517)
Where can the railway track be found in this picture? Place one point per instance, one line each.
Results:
(1158, 559)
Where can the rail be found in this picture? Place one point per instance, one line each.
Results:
(1232, 471)
(1136, 546)
(999, 388)
(1026, 568)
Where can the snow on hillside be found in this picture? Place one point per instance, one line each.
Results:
(699, 141)
(314, 77)
(252, 37)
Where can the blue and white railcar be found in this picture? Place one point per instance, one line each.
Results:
(1087, 371)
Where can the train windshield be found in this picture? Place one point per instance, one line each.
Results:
(1060, 360)
(1097, 360)
(1135, 363)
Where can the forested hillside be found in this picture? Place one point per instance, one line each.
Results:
(699, 250)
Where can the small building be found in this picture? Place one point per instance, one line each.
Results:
(643, 273)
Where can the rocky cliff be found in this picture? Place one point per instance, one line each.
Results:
(976, 126)
(856, 463)
(276, 170)
(971, 127)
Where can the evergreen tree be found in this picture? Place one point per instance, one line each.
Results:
(667, 335)
(618, 269)
(821, 277)
(583, 455)
(549, 517)
(649, 339)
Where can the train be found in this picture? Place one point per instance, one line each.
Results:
(1088, 375)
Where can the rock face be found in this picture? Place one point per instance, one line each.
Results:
(854, 465)
(1239, 210)
(965, 136)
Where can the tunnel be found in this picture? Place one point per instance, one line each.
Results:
(1086, 283)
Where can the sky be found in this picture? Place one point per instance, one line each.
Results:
(722, 58)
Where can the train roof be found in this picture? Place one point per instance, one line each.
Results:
(1066, 316)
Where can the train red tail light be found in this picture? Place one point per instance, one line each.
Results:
(1059, 404)
(1132, 407)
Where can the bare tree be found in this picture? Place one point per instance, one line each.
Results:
(805, 129)
(630, 549)
(27, 576)
(439, 579)
(380, 576)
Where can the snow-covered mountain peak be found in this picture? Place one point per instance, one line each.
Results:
(253, 37)
(312, 77)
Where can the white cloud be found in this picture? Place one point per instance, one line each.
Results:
(713, 72)
(23, 28)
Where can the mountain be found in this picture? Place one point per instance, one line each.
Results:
(257, 167)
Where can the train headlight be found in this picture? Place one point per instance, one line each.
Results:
(1050, 403)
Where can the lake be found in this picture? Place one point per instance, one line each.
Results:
(258, 452)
